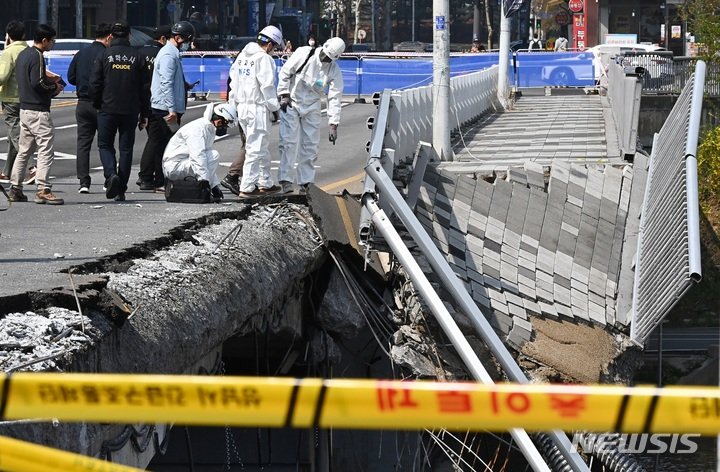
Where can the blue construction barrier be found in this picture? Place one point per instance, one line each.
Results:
(554, 69)
(365, 75)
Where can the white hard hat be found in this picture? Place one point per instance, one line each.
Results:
(333, 48)
(223, 110)
(272, 33)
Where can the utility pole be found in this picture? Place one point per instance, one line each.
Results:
(372, 20)
(504, 60)
(412, 20)
(42, 12)
(476, 20)
(79, 19)
(55, 14)
(441, 79)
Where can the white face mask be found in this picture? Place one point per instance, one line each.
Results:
(311, 42)
(184, 47)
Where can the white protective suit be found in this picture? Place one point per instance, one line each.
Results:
(302, 121)
(252, 90)
(189, 152)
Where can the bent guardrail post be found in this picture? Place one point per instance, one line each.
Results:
(447, 323)
(624, 92)
(459, 293)
(375, 150)
(693, 204)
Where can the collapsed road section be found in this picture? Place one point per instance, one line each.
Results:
(276, 288)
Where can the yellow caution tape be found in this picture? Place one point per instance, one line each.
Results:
(20, 456)
(364, 404)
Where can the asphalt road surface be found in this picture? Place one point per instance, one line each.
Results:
(338, 167)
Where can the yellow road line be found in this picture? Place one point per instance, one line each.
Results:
(349, 229)
(333, 186)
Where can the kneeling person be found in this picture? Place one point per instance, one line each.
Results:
(189, 152)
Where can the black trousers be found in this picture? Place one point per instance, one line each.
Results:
(159, 134)
(110, 124)
(86, 117)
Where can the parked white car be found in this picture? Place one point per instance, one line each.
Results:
(655, 68)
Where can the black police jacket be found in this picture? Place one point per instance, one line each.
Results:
(81, 67)
(119, 83)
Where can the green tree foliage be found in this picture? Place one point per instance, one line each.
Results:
(709, 170)
(703, 18)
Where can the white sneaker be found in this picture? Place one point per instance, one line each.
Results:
(287, 187)
(84, 189)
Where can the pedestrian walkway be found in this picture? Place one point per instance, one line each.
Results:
(538, 213)
(575, 128)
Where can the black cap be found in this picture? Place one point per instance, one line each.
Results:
(162, 31)
(120, 28)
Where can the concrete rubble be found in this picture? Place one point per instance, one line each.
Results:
(166, 313)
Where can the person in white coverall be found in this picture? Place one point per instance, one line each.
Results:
(189, 152)
(252, 90)
(302, 83)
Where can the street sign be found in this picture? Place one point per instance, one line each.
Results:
(511, 6)
(575, 6)
(362, 34)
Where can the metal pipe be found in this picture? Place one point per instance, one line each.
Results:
(460, 295)
(446, 321)
(693, 209)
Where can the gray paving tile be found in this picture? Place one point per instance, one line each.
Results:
(566, 242)
(474, 244)
(511, 239)
(535, 214)
(517, 175)
(500, 201)
(564, 311)
(546, 260)
(472, 270)
(551, 227)
(597, 313)
(522, 322)
(482, 197)
(548, 309)
(535, 174)
(494, 232)
(460, 215)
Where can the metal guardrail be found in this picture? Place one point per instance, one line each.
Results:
(668, 75)
(668, 252)
(624, 92)
(410, 118)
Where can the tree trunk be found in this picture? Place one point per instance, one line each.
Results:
(357, 20)
(488, 20)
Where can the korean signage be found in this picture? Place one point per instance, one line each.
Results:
(575, 6)
(579, 31)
